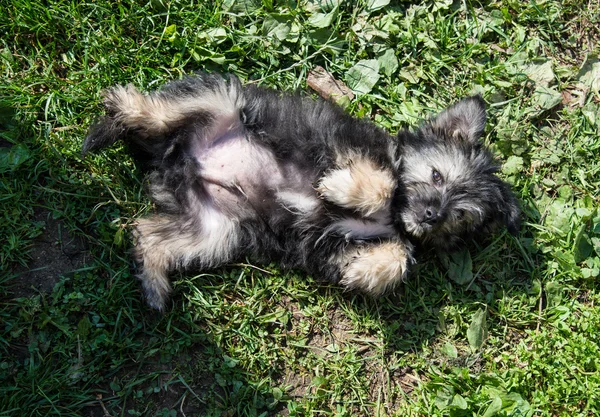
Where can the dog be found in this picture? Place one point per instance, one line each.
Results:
(248, 171)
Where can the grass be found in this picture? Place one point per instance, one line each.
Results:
(507, 329)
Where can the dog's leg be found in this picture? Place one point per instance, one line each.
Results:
(141, 118)
(155, 258)
(167, 243)
(358, 184)
(375, 268)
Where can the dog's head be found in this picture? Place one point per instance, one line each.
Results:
(450, 190)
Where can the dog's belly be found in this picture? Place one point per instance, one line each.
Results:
(252, 174)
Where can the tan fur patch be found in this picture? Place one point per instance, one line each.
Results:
(155, 259)
(360, 185)
(375, 269)
(162, 246)
(156, 113)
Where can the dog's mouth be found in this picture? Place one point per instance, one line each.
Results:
(418, 228)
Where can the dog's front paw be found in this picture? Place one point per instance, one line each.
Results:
(360, 186)
(375, 269)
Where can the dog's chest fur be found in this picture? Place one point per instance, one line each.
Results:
(237, 170)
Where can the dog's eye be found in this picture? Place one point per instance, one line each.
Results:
(436, 177)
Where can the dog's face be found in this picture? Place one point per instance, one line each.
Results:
(450, 190)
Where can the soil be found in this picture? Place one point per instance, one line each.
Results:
(55, 253)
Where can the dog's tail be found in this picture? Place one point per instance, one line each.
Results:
(147, 120)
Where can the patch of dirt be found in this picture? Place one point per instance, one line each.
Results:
(55, 253)
(164, 391)
(581, 35)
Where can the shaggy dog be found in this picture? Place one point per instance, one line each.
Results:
(241, 170)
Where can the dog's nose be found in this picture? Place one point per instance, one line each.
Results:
(430, 216)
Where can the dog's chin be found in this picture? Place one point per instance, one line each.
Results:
(430, 235)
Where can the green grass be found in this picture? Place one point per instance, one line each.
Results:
(507, 329)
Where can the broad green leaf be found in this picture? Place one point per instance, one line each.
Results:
(596, 243)
(412, 75)
(459, 265)
(449, 350)
(589, 75)
(554, 293)
(84, 326)
(515, 405)
(441, 5)
(592, 113)
(388, 23)
(216, 35)
(170, 30)
(541, 72)
(230, 362)
(477, 332)
(513, 165)
(11, 158)
(388, 63)
(509, 404)
(363, 76)
(592, 272)
(558, 216)
(459, 402)
(276, 27)
(242, 6)
(443, 397)
(373, 5)
(277, 394)
(582, 246)
(322, 20)
(312, 6)
(118, 238)
(493, 408)
(546, 97)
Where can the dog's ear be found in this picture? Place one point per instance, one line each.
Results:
(463, 121)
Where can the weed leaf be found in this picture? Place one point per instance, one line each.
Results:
(388, 63)
(373, 5)
(541, 72)
(241, 6)
(322, 20)
(589, 75)
(11, 158)
(459, 265)
(494, 407)
(443, 397)
(449, 350)
(363, 76)
(513, 165)
(546, 98)
(477, 332)
(459, 402)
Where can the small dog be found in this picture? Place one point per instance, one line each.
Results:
(242, 170)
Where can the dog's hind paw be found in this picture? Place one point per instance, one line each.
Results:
(376, 268)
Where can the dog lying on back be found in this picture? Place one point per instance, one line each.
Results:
(241, 170)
